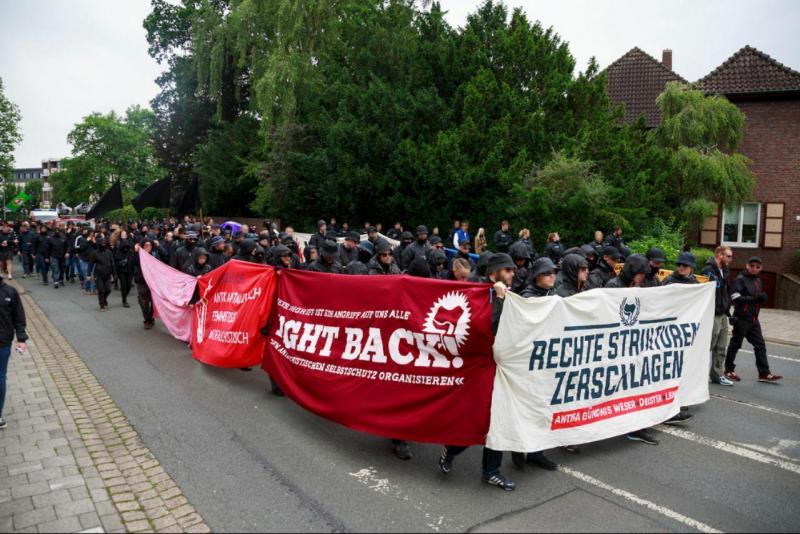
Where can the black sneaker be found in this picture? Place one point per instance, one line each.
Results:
(680, 417)
(500, 481)
(277, 391)
(401, 450)
(3, 423)
(45, 283)
(540, 460)
(518, 459)
(644, 436)
(445, 462)
(55, 285)
(126, 305)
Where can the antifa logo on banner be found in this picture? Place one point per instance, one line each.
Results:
(629, 313)
(449, 319)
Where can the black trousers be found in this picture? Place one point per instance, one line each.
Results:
(103, 288)
(145, 302)
(749, 329)
(492, 459)
(125, 283)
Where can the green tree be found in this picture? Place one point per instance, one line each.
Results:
(701, 134)
(106, 148)
(10, 135)
(34, 189)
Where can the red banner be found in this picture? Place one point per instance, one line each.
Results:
(397, 356)
(235, 301)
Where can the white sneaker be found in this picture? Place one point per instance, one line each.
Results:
(723, 381)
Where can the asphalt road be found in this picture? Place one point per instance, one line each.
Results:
(250, 461)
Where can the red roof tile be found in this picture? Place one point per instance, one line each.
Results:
(750, 71)
(636, 79)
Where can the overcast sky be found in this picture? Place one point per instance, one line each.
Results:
(62, 59)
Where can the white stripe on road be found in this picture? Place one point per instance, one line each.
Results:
(369, 477)
(729, 447)
(757, 406)
(663, 510)
(787, 358)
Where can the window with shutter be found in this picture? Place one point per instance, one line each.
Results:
(773, 225)
(709, 234)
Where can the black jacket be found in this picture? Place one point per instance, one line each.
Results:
(56, 246)
(676, 278)
(217, 258)
(502, 240)
(184, 258)
(616, 242)
(123, 257)
(85, 248)
(26, 241)
(39, 244)
(533, 291)
(554, 250)
(568, 276)
(376, 267)
(747, 295)
(346, 255)
(600, 276)
(413, 251)
(7, 244)
(102, 261)
(319, 266)
(12, 316)
(720, 278)
(651, 278)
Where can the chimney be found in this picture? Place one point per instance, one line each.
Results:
(666, 58)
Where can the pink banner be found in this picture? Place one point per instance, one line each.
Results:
(171, 290)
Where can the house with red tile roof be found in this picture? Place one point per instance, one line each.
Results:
(768, 93)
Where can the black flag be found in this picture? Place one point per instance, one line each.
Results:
(155, 196)
(111, 200)
(191, 199)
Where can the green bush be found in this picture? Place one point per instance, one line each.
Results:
(701, 255)
(668, 236)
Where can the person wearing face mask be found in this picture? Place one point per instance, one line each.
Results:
(123, 263)
(185, 255)
(104, 268)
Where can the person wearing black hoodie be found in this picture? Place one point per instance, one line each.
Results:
(604, 272)
(185, 255)
(201, 265)
(245, 250)
(521, 255)
(216, 252)
(327, 263)
(656, 258)
(418, 248)
(348, 251)
(123, 264)
(383, 262)
(572, 276)
(104, 268)
(56, 256)
(437, 262)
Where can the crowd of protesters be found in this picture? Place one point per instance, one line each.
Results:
(104, 257)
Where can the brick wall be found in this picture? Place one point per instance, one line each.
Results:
(772, 142)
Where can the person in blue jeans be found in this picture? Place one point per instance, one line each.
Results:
(12, 322)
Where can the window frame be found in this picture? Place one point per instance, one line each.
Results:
(738, 243)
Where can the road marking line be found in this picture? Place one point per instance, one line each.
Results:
(663, 510)
(787, 358)
(729, 447)
(774, 451)
(369, 477)
(757, 406)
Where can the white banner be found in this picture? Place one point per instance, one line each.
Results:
(598, 364)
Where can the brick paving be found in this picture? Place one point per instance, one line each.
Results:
(69, 459)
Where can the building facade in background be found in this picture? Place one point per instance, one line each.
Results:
(768, 93)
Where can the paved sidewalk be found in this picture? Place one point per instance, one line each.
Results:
(69, 460)
(781, 326)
